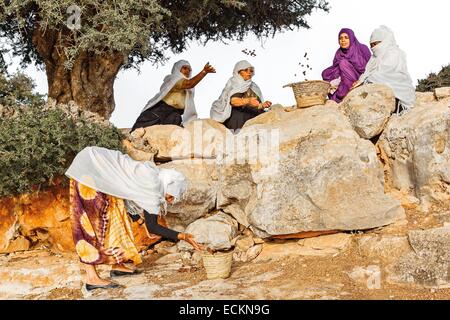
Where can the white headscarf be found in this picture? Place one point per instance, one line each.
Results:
(169, 82)
(388, 66)
(221, 108)
(116, 174)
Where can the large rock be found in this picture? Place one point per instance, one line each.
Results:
(416, 151)
(442, 93)
(429, 264)
(369, 108)
(201, 195)
(162, 140)
(321, 176)
(216, 232)
(388, 248)
(202, 139)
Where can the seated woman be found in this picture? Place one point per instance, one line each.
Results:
(241, 99)
(388, 66)
(101, 181)
(349, 63)
(174, 104)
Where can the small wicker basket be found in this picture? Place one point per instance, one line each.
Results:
(218, 265)
(310, 93)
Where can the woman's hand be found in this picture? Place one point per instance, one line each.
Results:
(266, 104)
(189, 238)
(253, 102)
(209, 69)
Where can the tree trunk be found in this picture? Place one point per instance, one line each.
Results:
(90, 82)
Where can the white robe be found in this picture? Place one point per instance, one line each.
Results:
(221, 108)
(170, 81)
(388, 66)
(116, 174)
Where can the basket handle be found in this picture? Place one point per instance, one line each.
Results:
(288, 85)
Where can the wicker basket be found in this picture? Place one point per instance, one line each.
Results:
(218, 265)
(310, 93)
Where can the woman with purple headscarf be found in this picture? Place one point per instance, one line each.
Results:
(348, 65)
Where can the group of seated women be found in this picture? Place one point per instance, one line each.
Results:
(242, 100)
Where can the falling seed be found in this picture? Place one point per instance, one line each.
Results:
(306, 53)
(304, 73)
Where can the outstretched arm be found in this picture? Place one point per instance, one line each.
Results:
(151, 222)
(191, 83)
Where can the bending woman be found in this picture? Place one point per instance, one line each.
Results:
(174, 104)
(101, 180)
(388, 66)
(241, 99)
(349, 64)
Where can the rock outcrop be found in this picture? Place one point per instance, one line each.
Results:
(42, 220)
(429, 264)
(368, 109)
(416, 151)
(324, 177)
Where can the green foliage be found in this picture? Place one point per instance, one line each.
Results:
(37, 146)
(433, 81)
(141, 29)
(18, 90)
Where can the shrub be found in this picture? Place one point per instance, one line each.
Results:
(37, 146)
(17, 89)
(433, 81)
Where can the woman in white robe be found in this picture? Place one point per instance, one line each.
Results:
(241, 99)
(174, 104)
(101, 181)
(388, 66)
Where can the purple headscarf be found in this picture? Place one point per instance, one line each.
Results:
(358, 54)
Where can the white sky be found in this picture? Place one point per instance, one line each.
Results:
(421, 29)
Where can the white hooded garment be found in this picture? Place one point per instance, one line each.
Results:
(169, 82)
(388, 66)
(221, 108)
(116, 174)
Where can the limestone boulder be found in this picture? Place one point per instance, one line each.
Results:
(316, 174)
(368, 109)
(203, 139)
(201, 195)
(388, 248)
(429, 264)
(442, 93)
(425, 98)
(216, 232)
(161, 140)
(416, 151)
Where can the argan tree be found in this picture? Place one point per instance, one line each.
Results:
(83, 44)
(433, 81)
